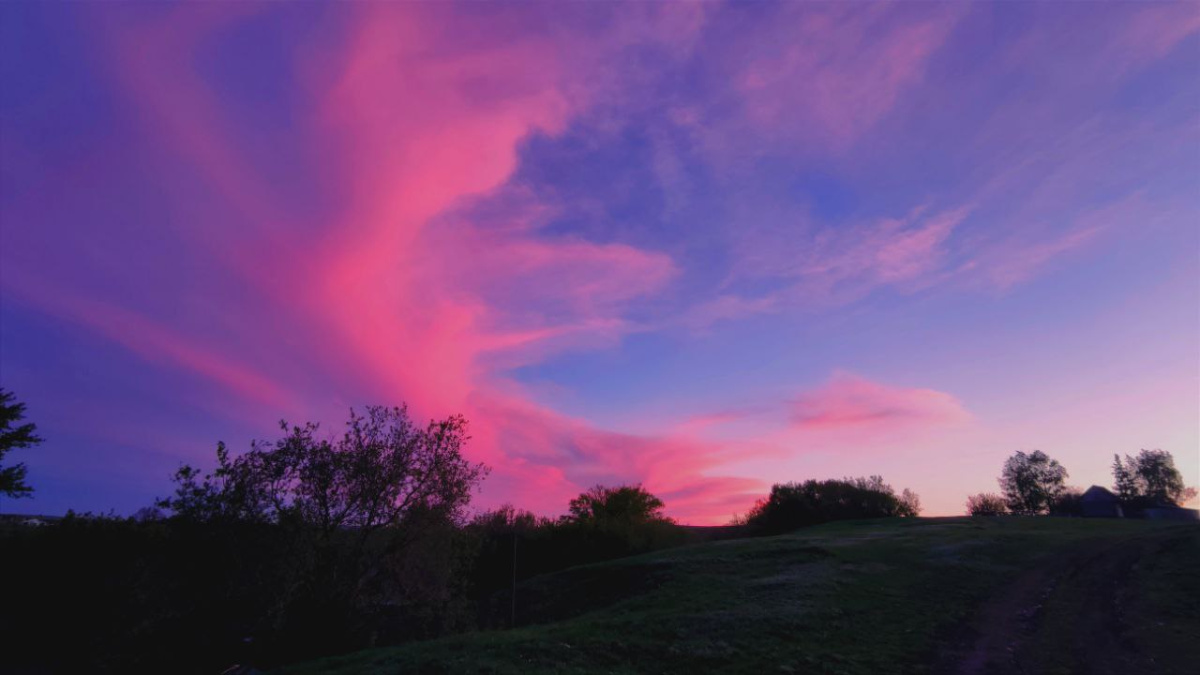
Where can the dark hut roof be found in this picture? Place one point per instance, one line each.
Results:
(1099, 494)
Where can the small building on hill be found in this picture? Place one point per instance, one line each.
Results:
(1098, 502)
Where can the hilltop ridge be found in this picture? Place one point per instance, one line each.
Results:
(939, 595)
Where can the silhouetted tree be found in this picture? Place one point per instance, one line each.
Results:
(1150, 479)
(910, 504)
(299, 548)
(14, 435)
(383, 470)
(1124, 483)
(366, 524)
(1030, 483)
(507, 519)
(622, 504)
(986, 504)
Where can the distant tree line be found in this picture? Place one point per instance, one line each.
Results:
(1035, 484)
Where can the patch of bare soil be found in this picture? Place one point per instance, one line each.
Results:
(1068, 611)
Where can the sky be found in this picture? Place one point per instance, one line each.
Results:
(705, 247)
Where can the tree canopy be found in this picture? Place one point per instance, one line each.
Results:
(14, 435)
(1150, 479)
(1031, 482)
(623, 504)
(383, 470)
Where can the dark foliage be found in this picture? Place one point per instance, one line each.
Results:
(242, 570)
(1069, 503)
(603, 523)
(1031, 482)
(188, 597)
(794, 505)
(296, 549)
(625, 504)
(12, 436)
(1149, 480)
(383, 471)
(986, 504)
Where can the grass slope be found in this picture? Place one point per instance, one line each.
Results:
(950, 595)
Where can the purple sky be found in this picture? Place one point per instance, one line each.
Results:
(704, 246)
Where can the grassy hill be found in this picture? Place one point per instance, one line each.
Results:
(947, 595)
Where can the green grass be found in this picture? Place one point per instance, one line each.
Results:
(1133, 608)
(857, 597)
(1165, 609)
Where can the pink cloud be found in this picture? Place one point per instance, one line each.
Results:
(571, 455)
(851, 402)
(589, 280)
(408, 301)
(901, 252)
(400, 283)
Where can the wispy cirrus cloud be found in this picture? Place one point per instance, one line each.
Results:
(826, 74)
(819, 267)
(848, 401)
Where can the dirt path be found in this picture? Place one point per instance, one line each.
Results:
(1067, 613)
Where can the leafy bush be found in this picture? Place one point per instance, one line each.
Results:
(986, 504)
(794, 505)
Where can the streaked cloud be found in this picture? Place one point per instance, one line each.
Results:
(850, 401)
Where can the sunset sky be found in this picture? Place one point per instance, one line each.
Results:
(707, 247)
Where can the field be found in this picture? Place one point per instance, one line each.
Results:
(943, 595)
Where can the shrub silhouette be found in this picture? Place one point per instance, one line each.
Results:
(794, 505)
(986, 504)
